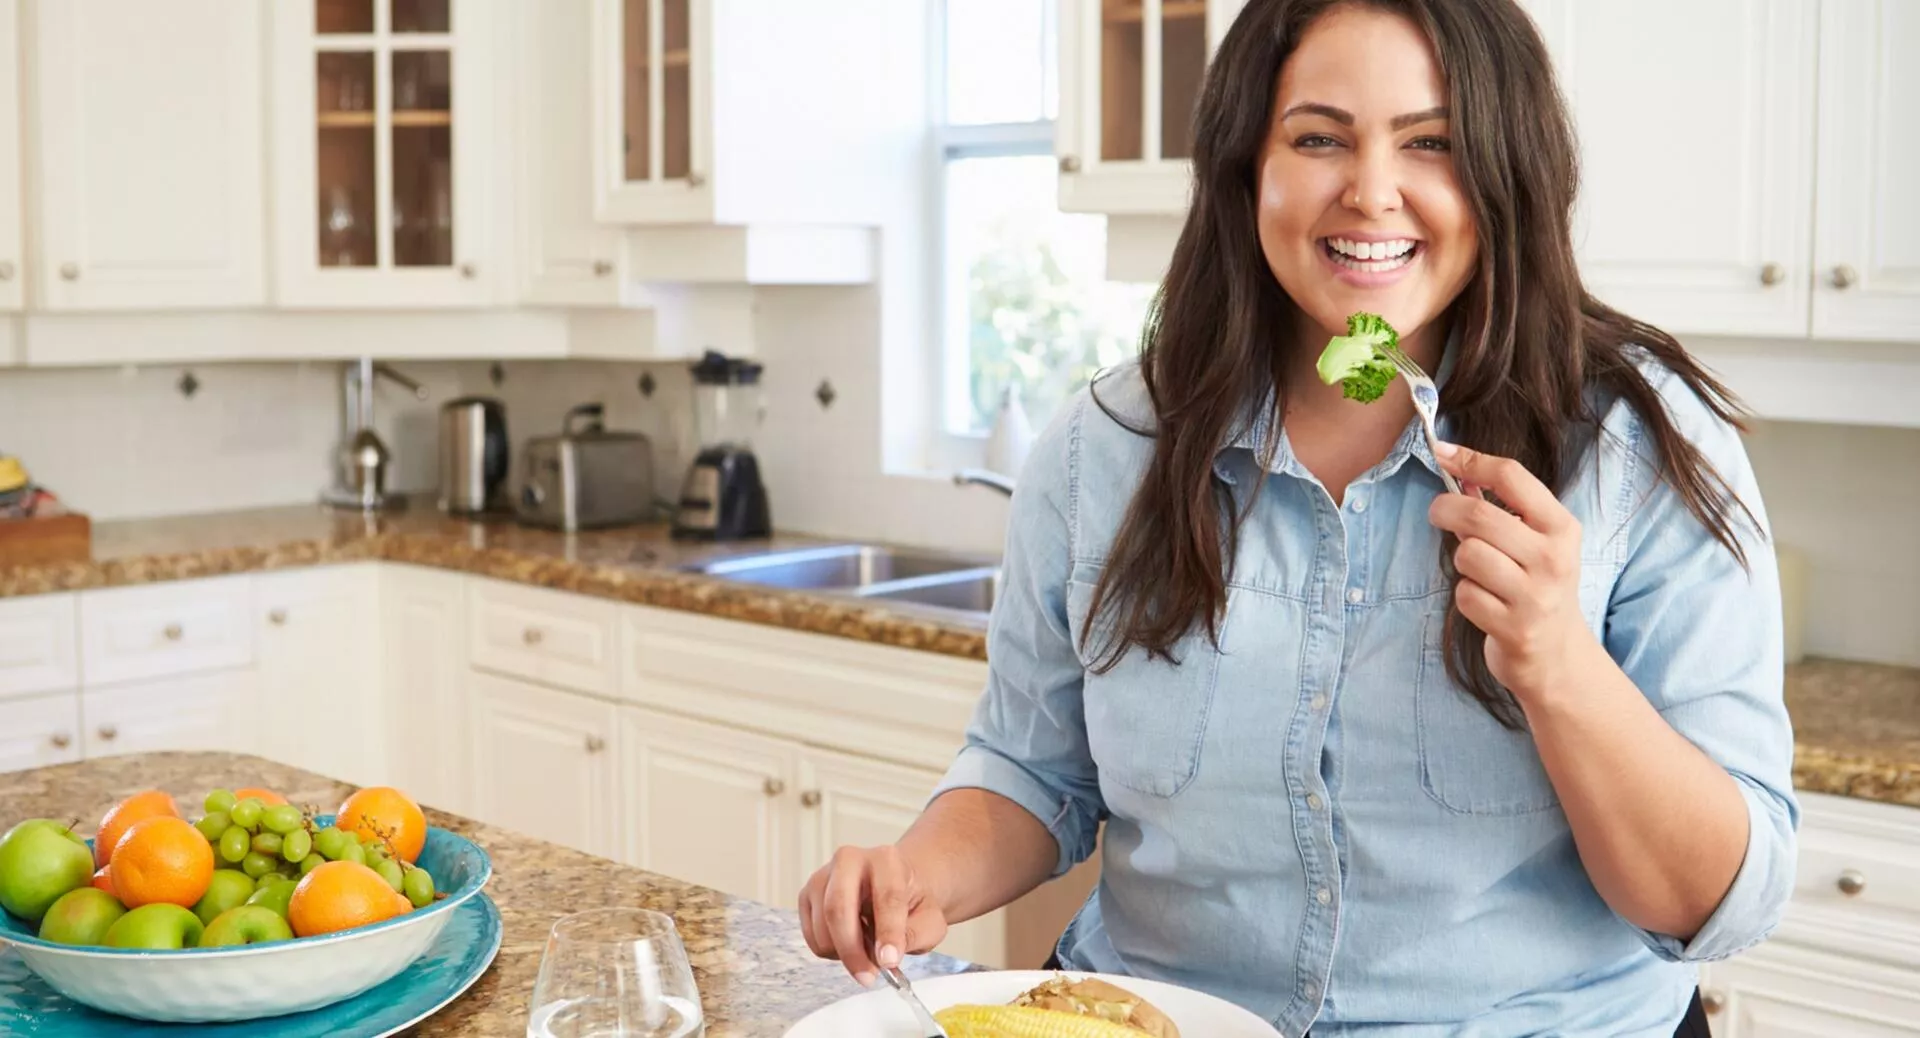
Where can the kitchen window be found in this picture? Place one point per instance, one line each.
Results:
(1023, 298)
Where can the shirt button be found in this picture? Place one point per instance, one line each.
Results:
(1323, 895)
(1359, 504)
(1312, 990)
(1318, 702)
(1356, 596)
(1313, 801)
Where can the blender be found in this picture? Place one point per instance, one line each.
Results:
(722, 497)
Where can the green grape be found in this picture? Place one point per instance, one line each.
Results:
(296, 846)
(389, 870)
(246, 813)
(353, 852)
(256, 865)
(220, 800)
(417, 884)
(311, 862)
(267, 879)
(378, 852)
(281, 818)
(329, 842)
(267, 844)
(213, 825)
(234, 844)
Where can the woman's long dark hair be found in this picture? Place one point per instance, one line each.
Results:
(1530, 338)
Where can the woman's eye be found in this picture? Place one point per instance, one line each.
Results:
(1431, 144)
(1316, 140)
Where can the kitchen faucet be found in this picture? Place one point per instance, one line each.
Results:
(982, 477)
(361, 458)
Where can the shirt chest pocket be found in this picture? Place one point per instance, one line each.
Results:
(1146, 718)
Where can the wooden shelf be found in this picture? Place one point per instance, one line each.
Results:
(364, 120)
(1170, 10)
(671, 59)
(422, 118)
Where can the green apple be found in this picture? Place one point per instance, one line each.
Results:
(81, 916)
(248, 924)
(229, 889)
(273, 897)
(157, 925)
(41, 859)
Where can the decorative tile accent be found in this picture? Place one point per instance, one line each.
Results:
(825, 394)
(188, 385)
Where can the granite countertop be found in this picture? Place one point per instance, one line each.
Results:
(1856, 725)
(755, 974)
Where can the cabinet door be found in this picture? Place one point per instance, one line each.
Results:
(570, 257)
(544, 764)
(420, 617)
(383, 121)
(203, 712)
(40, 730)
(150, 154)
(1867, 246)
(652, 110)
(318, 654)
(710, 805)
(849, 801)
(1779, 991)
(11, 211)
(39, 649)
(1697, 144)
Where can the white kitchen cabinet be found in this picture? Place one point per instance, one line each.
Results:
(545, 763)
(1694, 222)
(710, 805)
(40, 730)
(319, 638)
(383, 118)
(39, 645)
(421, 613)
(1780, 990)
(12, 279)
(148, 152)
(1130, 77)
(210, 711)
(539, 634)
(166, 629)
(568, 256)
(1866, 253)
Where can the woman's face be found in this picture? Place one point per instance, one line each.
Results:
(1359, 207)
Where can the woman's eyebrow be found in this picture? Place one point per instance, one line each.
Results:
(1345, 118)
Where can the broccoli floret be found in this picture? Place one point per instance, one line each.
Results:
(1359, 359)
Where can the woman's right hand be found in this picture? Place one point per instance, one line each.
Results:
(869, 883)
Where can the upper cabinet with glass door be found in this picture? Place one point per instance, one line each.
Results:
(1130, 75)
(382, 125)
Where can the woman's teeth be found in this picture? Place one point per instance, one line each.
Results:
(1371, 257)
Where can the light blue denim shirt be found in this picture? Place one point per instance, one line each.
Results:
(1313, 821)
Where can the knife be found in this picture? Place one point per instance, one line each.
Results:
(899, 982)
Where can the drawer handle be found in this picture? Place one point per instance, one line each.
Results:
(108, 733)
(277, 617)
(811, 798)
(774, 787)
(173, 632)
(62, 740)
(595, 744)
(531, 636)
(1852, 882)
(1713, 1002)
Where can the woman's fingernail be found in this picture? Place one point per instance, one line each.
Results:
(888, 955)
(866, 978)
(1445, 449)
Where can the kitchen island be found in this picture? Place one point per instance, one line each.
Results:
(755, 974)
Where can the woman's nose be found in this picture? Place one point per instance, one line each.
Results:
(1376, 187)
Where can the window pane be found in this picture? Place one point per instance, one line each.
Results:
(1027, 300)
(998, 53)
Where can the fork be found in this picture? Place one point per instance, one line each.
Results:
(1426, 400)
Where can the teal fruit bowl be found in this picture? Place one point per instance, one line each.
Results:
(206, 985)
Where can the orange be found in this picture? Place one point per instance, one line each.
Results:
(266, 796)
(385, 812)
(121, 816)
(162, 860)
(340, 895)
(103, 879)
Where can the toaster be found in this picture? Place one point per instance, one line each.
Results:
(586, 476)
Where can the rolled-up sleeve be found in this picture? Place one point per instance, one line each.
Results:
(1701, 637)
(1028, 740)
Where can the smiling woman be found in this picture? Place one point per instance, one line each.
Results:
(1359, 753)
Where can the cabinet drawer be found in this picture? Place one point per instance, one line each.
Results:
(39, 730)
(1857, 884)
(540, 635)
(38, 651)
(197, 712)
(131, 634)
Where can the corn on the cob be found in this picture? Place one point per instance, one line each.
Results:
(1026, 1022)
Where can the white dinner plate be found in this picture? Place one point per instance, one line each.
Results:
(881, 1013)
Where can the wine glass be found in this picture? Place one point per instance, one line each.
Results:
(615, 973)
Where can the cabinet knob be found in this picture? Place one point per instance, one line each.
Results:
(595, 744)
(811, 798)
(469, 271)
(1852, 882)
(1844, 277)
(61, 740)
(1713, 1002)
(1069, 164)
(696, 179)
(601, 268)
(6, 270)
(173, 632)
(774, 787)
(108, 733)
(70, 271)
(277, 617)
(1772, 274)
(532, 636)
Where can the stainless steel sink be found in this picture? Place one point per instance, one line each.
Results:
(838, 566)
(970, 591)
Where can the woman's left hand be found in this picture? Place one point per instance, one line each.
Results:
(1519, 571)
